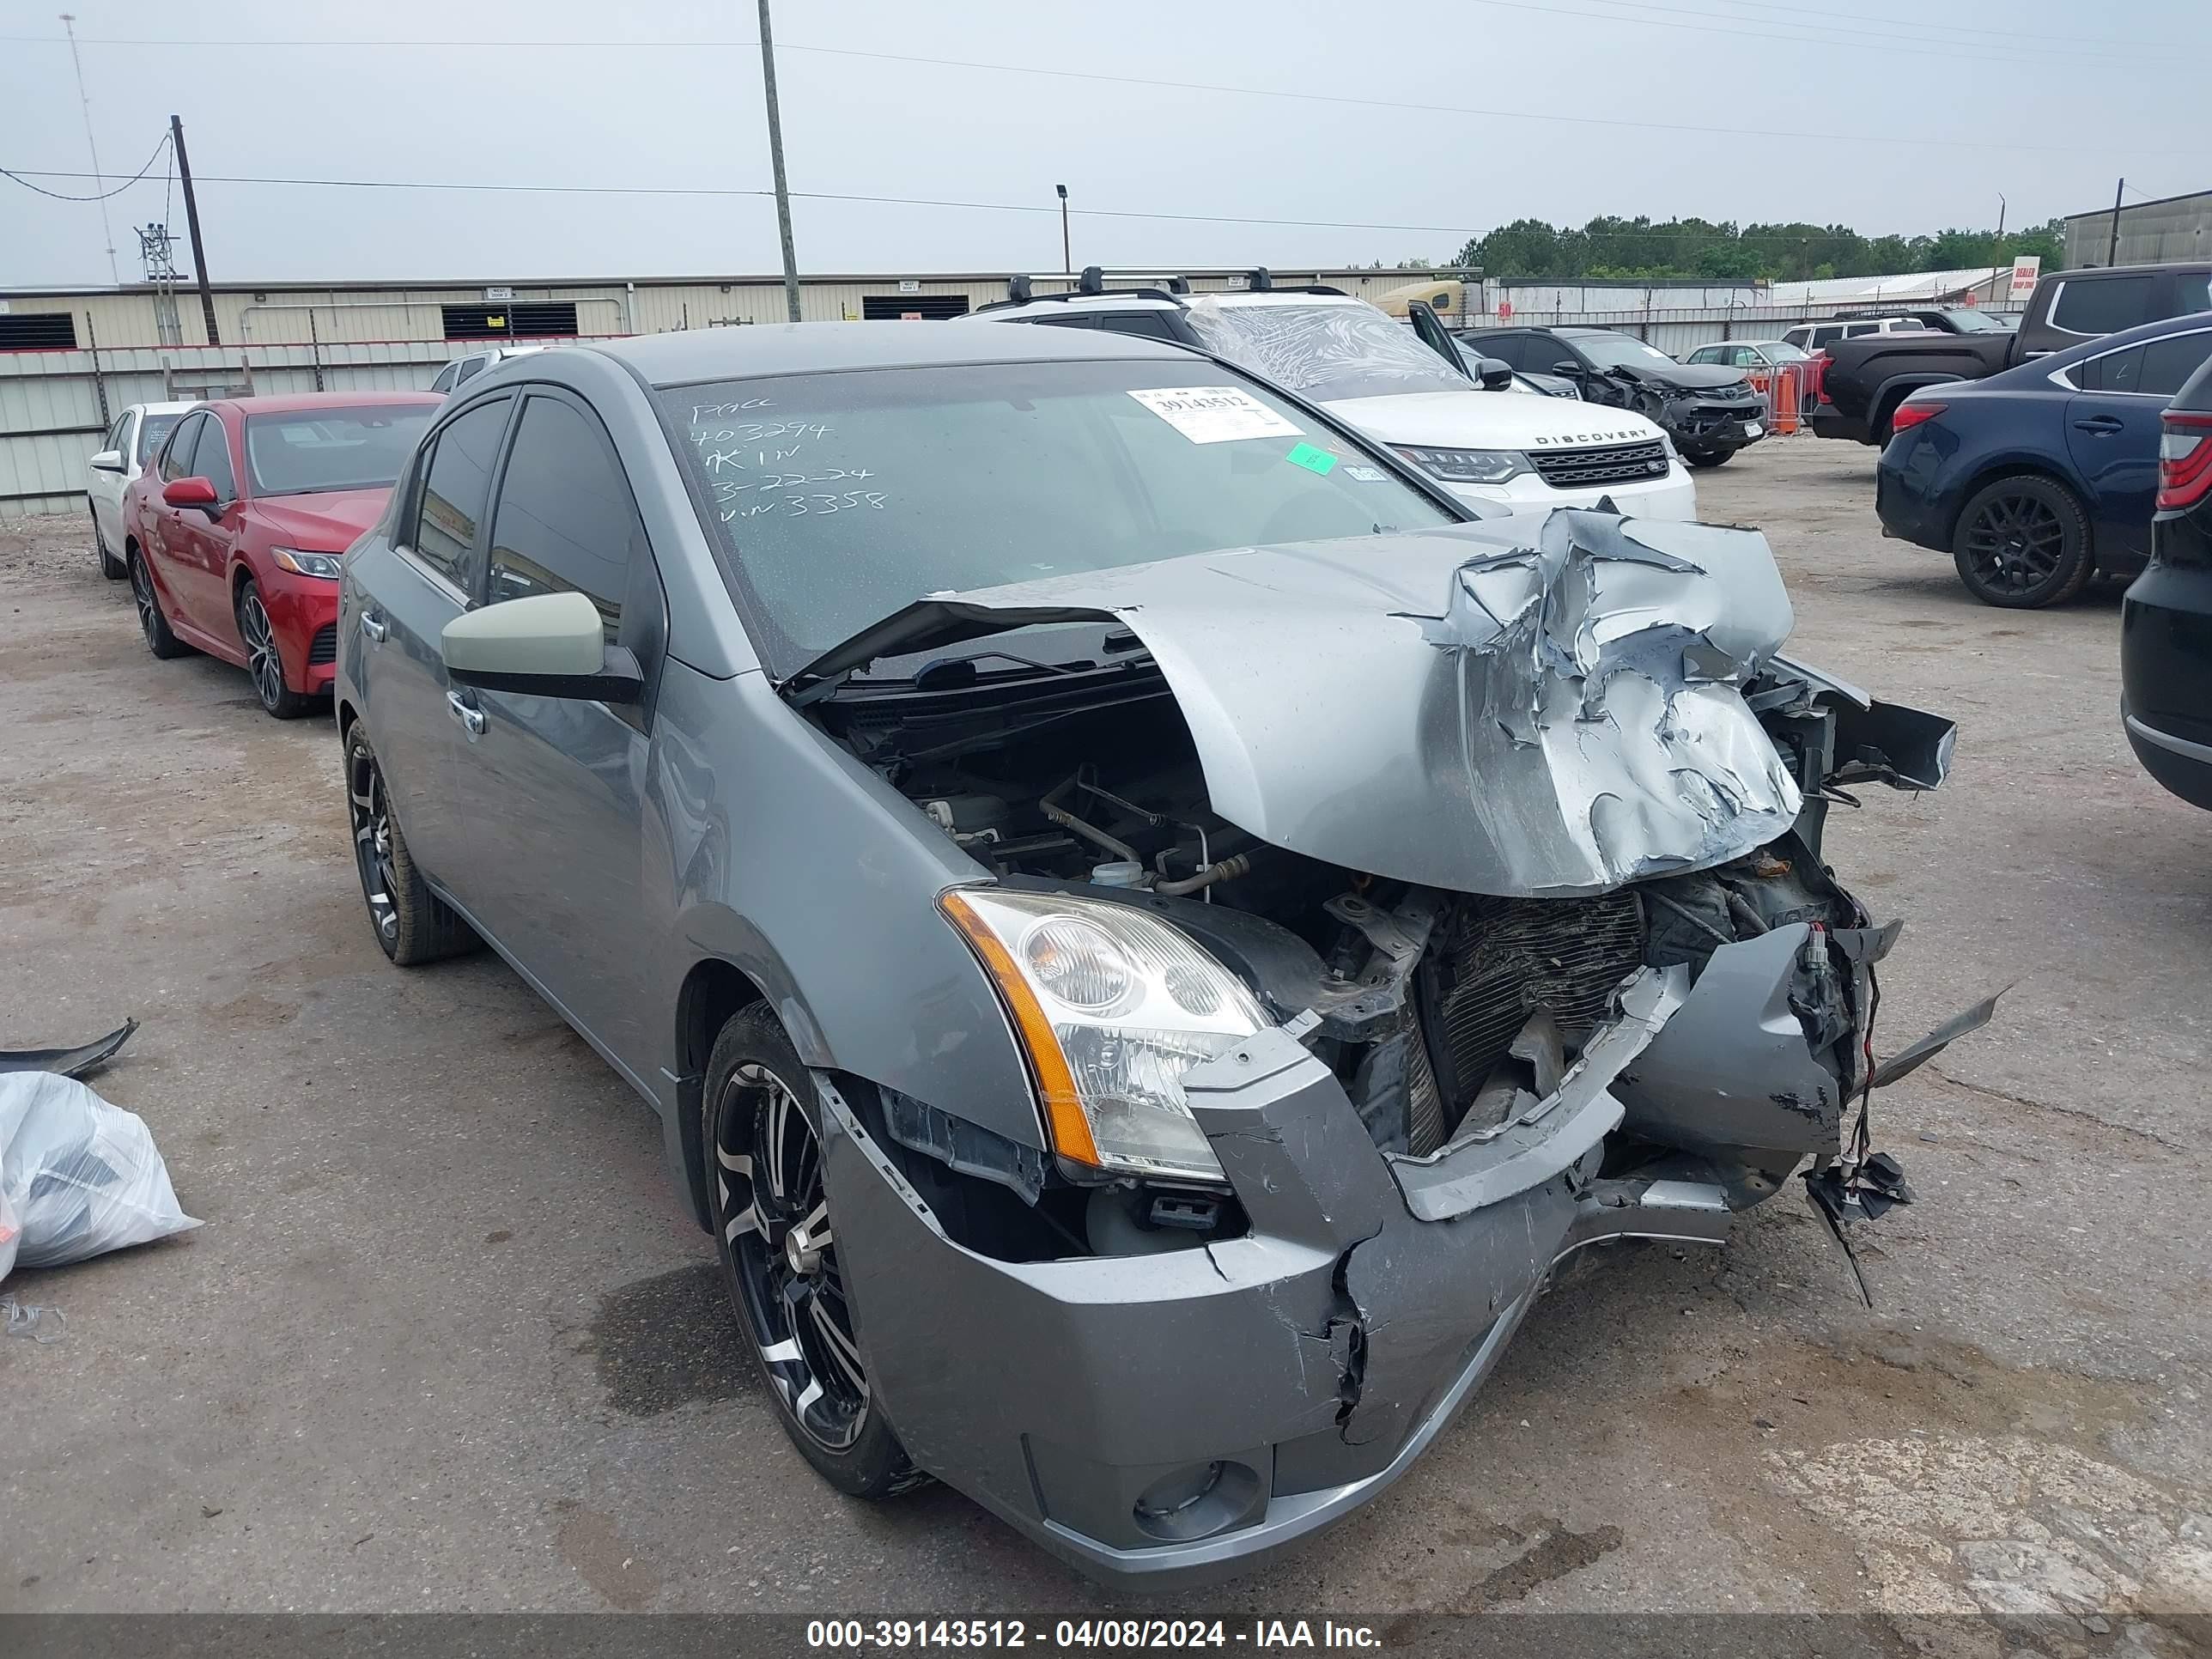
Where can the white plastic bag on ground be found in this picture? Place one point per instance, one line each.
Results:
(77, 1176)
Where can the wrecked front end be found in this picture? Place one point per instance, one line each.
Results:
(1466, 899)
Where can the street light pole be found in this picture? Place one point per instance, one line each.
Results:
(775, 164)
(1066, 259)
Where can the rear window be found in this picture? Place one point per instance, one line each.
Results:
(2103, 305)
(152, 430)
(312, 451)
(838, 499)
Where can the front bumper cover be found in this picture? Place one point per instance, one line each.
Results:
(1309, 1362)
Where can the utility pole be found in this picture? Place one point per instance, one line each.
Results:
(2113, 249)
(100, 185)
(2000, 216)
(1067, 258)
(776, 163)
(192, 218)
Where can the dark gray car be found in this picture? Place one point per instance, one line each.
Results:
(1148, 932)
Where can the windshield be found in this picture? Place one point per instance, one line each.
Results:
(315, 450)
(1329, 352)
(1975, 322)
(840, 498)
(1621, 351)
(152, 430)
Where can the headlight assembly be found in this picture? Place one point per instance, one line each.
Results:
(1111, 1007)
(1467, 465)
(307, 564)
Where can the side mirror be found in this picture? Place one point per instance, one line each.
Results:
(108, 460)
(1495, 373)
(189, 492)
(1573, 371)
(550, 645)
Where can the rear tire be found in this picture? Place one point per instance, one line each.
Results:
(151, 623)
(263, 660)
(412, 925)
(110, 567)
(2022, 543)
(763, 1145)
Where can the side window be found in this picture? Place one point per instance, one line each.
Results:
(1856, 330)
(2167, 363)
(1706, 354)
(1145, 325)
(1068, 319)
(446, 378)
(565, 521)
(2105, 305)
(116, 434)
(212, 459)
(456, 484)
(2115, 370)
(179, 451)
(470, 368)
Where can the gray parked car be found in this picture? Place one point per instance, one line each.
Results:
(1149, 930)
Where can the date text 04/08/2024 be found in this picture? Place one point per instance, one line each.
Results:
(1259, 1635)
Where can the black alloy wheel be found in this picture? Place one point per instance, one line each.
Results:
(1702, 458)
(779, 1254)
(2022, 543)
(263, 660)
(151, 623)
(412, 925)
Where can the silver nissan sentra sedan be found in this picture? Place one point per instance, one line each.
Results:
(1148, 931)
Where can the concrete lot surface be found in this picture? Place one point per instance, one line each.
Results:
(448, 1342)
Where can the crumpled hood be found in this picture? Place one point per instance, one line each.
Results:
(1545, 703)
(321, 523)
(1494, 420)
(1686, 377)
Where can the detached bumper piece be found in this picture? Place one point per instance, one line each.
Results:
(1169, 1419)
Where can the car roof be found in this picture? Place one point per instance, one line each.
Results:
(300, 401)
(164, 409)
(688, 355)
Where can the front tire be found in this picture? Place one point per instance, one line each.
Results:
(781, 1261)
(110, 567)
(2023, 543)
(412, 925)
(263, 660)
(1703, 458)
(151, 623)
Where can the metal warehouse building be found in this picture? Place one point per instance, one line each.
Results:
(2164, 232)
(70, 359)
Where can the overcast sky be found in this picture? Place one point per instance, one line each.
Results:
(1861, 112)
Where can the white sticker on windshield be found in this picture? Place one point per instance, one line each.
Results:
(1366, 474)
(1214, 414)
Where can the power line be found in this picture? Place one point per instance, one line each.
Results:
(27, 174)
(1965, 28)
(1915, 140)
(1657, 232)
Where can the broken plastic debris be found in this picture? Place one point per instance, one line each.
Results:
(68, 1062)
(78, 1176)
(41, 1325)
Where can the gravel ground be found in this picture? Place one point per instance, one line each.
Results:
(447, 1342)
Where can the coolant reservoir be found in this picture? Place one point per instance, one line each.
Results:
(1121, 872)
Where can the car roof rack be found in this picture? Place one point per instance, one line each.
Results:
(1090, 284)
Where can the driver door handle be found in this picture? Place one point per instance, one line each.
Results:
(2103, 425)
(470, 717)
(374, 626)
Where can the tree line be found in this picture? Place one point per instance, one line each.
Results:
(1610, 248)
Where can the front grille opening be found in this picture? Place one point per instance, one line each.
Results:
(325, 647)
(1496, 962)
(1601, 464)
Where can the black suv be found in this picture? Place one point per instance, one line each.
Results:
(2165, 622)
(1709, 411)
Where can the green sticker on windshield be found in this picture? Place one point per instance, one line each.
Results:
(1314, 460)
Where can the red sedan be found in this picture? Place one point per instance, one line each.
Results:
(232, 536)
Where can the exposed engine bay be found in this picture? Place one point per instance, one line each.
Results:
(1437, 1010)
(1506, 821)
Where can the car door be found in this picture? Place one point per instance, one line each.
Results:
(559, 825)
(409, 591)
(175, 540)
(105, 489)
(201, 537)
(2112, 431)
